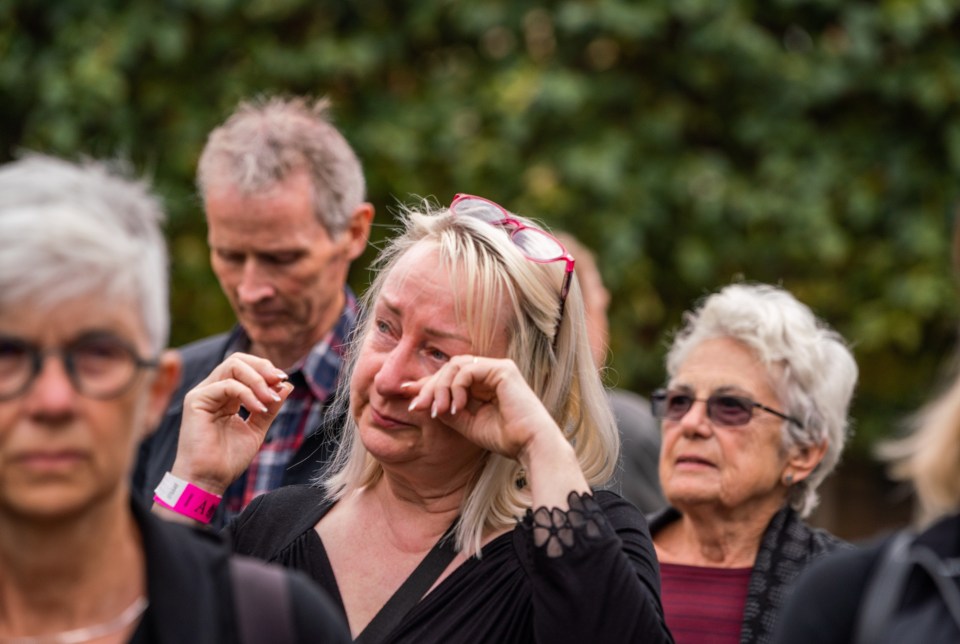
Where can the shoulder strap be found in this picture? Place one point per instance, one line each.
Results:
(884, 589)
(411, 591)
(262, 602)
(941, 576)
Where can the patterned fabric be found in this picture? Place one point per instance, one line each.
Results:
(558, 530)
(787, 547)
(314, 381)
(704, 604)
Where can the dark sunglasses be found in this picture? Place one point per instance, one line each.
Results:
(536, 245)
(725, 410)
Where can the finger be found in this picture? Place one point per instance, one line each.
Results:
(261, 420)
(421, 391)
(257, 373)
(225, 398)
(460, 384)
(239, 362)
(424, 399)
(442, 380)
(413, 387)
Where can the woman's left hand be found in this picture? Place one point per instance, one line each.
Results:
(488, 401)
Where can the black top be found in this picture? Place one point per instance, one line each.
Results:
(604, 587)
(826, 600)
(191, 600)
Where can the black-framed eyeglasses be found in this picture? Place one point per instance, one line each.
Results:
(99, 365)
(726, 410)
(536, 244)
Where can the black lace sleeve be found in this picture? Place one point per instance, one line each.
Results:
(593, 572)
(558, 530)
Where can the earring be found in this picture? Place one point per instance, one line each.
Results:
(521, 480)
(788, 480)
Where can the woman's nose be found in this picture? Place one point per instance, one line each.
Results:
(52, 393)
(398, 367)
(695, 421)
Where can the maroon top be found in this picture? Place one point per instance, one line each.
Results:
(704, 604)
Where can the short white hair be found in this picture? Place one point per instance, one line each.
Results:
(82, 230)
(812, 368)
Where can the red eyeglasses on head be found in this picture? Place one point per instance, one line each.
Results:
(536, 245)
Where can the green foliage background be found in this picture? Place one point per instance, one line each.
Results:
(812, 143)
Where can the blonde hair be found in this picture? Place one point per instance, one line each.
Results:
(929, 457)
(482, 258)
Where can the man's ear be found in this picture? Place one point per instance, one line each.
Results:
(358, 230)
(801, 462)
(166, 379)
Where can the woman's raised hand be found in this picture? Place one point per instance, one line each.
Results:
(216, 444)
(489, 402)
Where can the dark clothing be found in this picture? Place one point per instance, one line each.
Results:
(158, 451)
(603, 588)
(787, 547)
(636, 478)
(826, 600)
(189, 590)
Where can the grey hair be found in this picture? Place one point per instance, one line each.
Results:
(810, 365)
(266, 140)
(82, 230)
(482, 259)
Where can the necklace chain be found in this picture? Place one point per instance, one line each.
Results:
(87, 633)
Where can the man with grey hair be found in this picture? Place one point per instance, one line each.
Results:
(284, 197)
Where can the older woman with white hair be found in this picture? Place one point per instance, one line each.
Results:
(83, 378)
(754, 417)
(461, 507)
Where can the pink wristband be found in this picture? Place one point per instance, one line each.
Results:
(186, 498)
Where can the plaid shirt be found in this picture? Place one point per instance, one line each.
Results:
(314, 380)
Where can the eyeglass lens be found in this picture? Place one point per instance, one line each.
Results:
(723, 409)
(98, 365)
(481, 209)
(535, 243)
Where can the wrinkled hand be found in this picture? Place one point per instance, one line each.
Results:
(489, 402)
(216, 444)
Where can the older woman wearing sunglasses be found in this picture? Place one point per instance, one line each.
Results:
(754, 417)
(460, 506)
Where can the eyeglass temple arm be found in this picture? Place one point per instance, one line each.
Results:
(780, 414)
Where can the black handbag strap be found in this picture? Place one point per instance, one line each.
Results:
(885, 588)
(941, 574)
(411, 591)
(262, 600)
